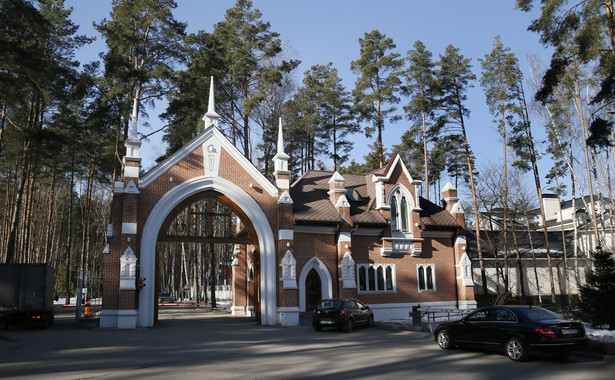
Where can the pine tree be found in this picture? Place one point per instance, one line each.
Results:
(144, 43)
(377, 85)
(455, 78)
(422, 87)
(500, 75)
(597, 295)
(249, 47)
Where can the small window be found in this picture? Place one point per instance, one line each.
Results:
(394, 214)
(403, 211)
(426, 277)
(362, 279)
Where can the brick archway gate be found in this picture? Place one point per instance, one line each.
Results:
(208, 163)
(243, 201)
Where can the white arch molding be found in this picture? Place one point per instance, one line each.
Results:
(325, 280)
(257, 217)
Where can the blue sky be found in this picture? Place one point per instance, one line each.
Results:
(318, 32)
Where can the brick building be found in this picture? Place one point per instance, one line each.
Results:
(325, 235)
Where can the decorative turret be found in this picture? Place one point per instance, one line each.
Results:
(449, 196)
(211, 117)
(280, 162)
(337, 195)
(132, 142)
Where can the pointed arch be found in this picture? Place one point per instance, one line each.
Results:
(325, 279)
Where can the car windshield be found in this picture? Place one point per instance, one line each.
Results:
(330, 304)
(538, 314)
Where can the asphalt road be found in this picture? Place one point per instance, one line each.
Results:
(198, 344)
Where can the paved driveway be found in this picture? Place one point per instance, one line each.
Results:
(192, 344)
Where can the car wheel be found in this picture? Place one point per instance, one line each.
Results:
(317, 327)
(370, 322)
(348, 325)
(444, 340)
(516, 349)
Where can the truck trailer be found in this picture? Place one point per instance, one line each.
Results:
(26, 294)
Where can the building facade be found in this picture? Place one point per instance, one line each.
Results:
(324, 235)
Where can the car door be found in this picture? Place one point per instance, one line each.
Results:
(470, 330)
(497, 328)
(363, 311)
(351, 309)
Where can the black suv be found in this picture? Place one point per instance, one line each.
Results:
(342, 313)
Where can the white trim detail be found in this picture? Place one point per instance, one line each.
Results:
(465, 269)
(285, 235)
(460, 240)
(209, 136)
(344, 236)
(375, 268)
(282, 184)
(288, 316)
(211, 157)
(131, 188)
(131, 172)
(347, 267)
(424, 268)
(128, 270)
(289, 271)
(325, 280)
(129, 228)
(342, 202)
(257, 217)
(285, 198)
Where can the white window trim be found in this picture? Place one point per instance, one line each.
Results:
(376, 266)
(399, 192)
(433, 275)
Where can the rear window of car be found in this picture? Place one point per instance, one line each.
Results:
(330, 304)
(538, 314)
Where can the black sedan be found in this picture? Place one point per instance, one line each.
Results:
(342, 313)
(516, 330)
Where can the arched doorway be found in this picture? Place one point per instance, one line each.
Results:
(244, 205)
(196, 248)
(322, 275)
(313, 290)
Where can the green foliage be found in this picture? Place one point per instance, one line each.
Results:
(372, 163)
(249, 50)
(321, 117)
(187, 102)
(423, 87)
(377, 85)
(597, 306)
(580, 32)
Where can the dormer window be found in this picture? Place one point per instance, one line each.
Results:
(399, 211)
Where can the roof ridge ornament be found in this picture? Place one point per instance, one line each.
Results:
(211, 117)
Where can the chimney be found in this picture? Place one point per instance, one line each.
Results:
(449, 196)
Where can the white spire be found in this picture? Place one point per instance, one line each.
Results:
(133, 120)
(280, 159)
(280, 139)
(132, 142)
(211, 117)
(211, 106)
